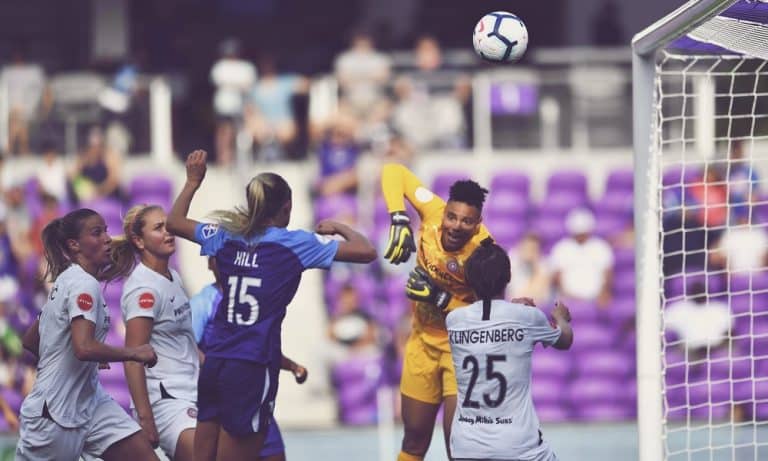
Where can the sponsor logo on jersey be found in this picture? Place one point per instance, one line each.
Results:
(84, 301)
(452, 265)
(192, 412)
(146, 300)
(209, 230)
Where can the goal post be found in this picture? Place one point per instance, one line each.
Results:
(701, 54)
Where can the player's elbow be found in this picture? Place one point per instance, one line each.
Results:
(83, 351)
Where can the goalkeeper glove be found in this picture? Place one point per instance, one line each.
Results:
(400, 244)
(420, 287)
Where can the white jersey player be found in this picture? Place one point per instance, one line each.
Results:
(68, 414)
(492, 344)
(156, 309)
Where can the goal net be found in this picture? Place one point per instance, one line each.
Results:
(702, 218)
(712, 116)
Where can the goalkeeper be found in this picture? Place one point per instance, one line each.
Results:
(449, 234)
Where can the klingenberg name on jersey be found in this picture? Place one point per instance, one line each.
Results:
(499, 335)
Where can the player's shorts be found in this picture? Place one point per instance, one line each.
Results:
(41, 438)
(172, 417)
(238, 394)
(273, 445)
(428, 374)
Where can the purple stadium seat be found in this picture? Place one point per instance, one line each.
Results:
(513, 181)
(547, 390)
(114, 376)
(617, 204)
(442, 182)
(357, 380)
(336, 206)
(120, 394)
(593, 336)
(507, 203)
(582, 311)
(620, 180)
(150, 199)
(679, 285)
(550, 229)
(151, 184)
(608, 363)
(553, 413)
(570, 181)
(677, 175)
(561, 202)
(624, 259)
(622, 309)
(737, 367)
(13, 397)
(506, 231)
(604, 411)
(624, 284)
(589, 390)
(548, 363)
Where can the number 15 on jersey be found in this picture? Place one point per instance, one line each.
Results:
(242, 298)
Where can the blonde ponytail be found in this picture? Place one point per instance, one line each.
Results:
(265, 194)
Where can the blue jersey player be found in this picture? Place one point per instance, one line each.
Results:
(260, 264)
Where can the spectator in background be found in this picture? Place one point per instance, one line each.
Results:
(700, 323)
(530, 275)
(430, 101)
(52, 175)
(269, 114)
(233, 78)
(25, 83)
(743, 180)
(582, 264)
(707, 200)
(353, 330)
(362, 72)
(742, 248)
(337, 154)
(96, 172)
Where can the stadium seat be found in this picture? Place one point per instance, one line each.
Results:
(335, 207)
(591, 390)
(554, 413)
(506, 231)
(624, 283)
(547, 391)
(511, 181)
(572, 182)
(604, 412)
(619, 181)
(150, 184)
(592, 336)
(549, 363)
(561, 202)
(507, 203)
(357, 380)
(442, 182)
(608, 363)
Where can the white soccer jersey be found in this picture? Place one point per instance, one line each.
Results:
(67, 386)
(495, 418)
(149, 294)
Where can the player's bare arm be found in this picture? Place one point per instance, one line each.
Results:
(562, 317)
(178, 222)
(355, 249)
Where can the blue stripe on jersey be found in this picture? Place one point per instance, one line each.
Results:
(260, 277)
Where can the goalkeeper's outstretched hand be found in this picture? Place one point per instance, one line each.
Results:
(421, 287)
(400, 244)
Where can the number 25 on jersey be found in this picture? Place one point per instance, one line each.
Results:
(241, 297)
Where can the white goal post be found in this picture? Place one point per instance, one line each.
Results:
(674, 99)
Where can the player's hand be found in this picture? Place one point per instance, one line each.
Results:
(561, 312)
(196, 167)
(145, 354)
(400, 244)
(300, 373)
(524, 300)
(327, 227)
(421, 287)
(147, 424)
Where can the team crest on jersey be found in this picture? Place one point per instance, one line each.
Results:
(85, 301)
(192, 412)
(452, 265)
(146, 300)
(209, 230)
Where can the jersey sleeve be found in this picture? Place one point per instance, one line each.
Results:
(210, 237)
(202, 306)
(314, 251)
(399, 183)
(84, 300)
(139, 302)
(541, 331)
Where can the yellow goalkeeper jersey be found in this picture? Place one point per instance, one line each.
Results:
(444, 267)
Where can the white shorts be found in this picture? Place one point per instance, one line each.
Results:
(41, 438)
(541, 453)
(172, 417)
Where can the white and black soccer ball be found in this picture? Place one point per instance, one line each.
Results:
(500, 36)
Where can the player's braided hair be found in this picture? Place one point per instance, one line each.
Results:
(469, 192)
(487, 272)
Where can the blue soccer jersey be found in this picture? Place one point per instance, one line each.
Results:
(260, 277)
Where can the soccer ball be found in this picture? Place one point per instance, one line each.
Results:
(500, 36)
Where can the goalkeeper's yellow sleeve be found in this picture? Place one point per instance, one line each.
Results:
(399, 183)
